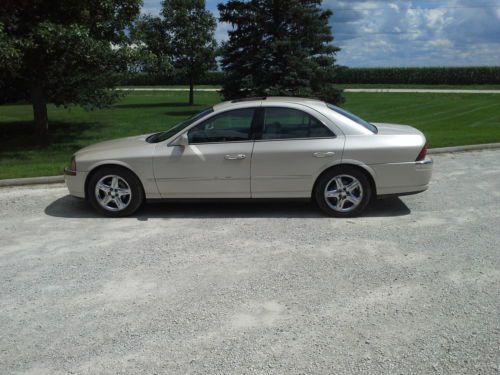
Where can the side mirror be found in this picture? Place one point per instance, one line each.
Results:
(181, 141)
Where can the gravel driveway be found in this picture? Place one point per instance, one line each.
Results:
(413, 287)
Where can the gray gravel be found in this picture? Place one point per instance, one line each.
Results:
(410, 288)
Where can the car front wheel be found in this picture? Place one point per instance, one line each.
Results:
(115, 192)
(343, 192)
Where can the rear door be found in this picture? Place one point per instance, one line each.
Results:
(295, 144)
(215, 163)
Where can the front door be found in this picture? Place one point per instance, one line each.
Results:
(215, 164)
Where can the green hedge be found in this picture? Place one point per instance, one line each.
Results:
(427, 76)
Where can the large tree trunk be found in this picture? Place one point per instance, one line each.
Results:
(191, 91)
(40, 113)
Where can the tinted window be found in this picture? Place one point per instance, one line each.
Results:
(354, 118)
(285, 123)
(230, 126)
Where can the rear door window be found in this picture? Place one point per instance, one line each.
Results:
(289, 123)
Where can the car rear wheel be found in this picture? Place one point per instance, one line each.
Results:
(343, 192)
(115, 192)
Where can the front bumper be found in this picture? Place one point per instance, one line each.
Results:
(403, 178)
(75, 183)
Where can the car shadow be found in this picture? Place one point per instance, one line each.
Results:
(70, 207)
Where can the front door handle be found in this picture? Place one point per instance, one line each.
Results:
(235, 157)
(323, 154)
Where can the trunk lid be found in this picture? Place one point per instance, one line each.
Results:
(396, 129)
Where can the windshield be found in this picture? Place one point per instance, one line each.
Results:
(354, 118)
(162, 136)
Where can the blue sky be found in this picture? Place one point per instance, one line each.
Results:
(406, 32)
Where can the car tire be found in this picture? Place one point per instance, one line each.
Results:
(115, 192)
(343, 192)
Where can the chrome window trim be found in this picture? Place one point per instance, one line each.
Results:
(218, 143)
(294, 139)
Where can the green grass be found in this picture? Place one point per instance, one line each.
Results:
(354, 86)
(446, 119)
(174, 87)
(435, 87)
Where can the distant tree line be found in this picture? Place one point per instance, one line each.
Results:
(419, 76)
(425, 75)
(76, 52)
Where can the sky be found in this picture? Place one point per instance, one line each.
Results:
(378, 33)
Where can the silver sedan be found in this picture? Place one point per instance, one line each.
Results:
(272, 147)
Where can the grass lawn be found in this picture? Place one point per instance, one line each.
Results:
(352, 86)
(446, 119)
(177, 87)
(434, 87)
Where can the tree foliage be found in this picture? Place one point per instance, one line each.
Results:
(65, 52)
(151, 44)
(180, 42)
(279, 47)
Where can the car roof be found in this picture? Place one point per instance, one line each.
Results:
(346, 125)
(238, 103)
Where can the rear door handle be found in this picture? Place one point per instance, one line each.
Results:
(323, 154)
(235, 156)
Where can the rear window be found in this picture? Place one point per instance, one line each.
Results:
(353, 117)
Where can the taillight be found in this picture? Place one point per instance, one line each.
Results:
(421, 156)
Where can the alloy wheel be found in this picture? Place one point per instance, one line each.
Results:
(343, 193)
(113, 193)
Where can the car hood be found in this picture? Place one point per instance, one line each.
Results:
(396, 129)
(115, 144)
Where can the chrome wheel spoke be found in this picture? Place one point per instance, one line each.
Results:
(119, 203)
(106, 200)
(352, 186)
(105, 188)
(114, 182)
(122, 192)
(339, 183)
(351, 198)
(340, 203)
(332, 194)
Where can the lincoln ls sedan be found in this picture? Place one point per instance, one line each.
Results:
(271, 147)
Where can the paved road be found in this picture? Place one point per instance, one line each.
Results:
(438, 91)
(412, 287)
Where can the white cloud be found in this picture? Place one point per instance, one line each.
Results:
(406, 32)
(417, 32)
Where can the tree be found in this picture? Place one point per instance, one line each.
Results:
(279, 47)
(65, 52)
(190, 28)
(152, 45)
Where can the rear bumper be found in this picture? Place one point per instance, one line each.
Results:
(76, 183)
(403, 178)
